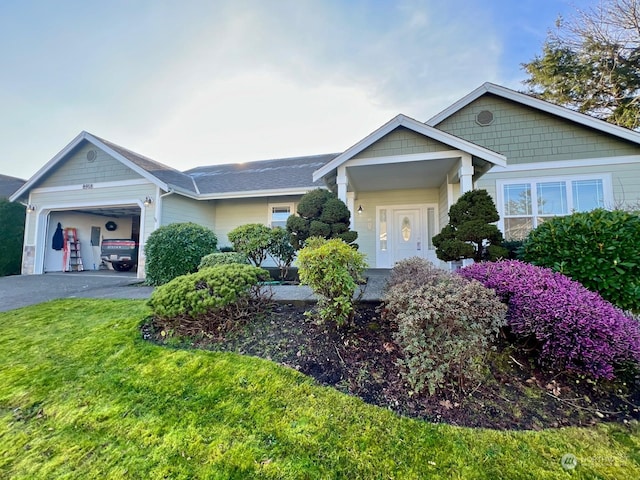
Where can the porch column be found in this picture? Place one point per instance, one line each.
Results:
(351, 205)
(466, 174)
(342, 182)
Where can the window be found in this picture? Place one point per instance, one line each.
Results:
(278, 215)
(528, 203)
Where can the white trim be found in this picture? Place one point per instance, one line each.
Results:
(538, 104)
(420, 128)
(587, 162)
(607, 191)
(67, 188)
(412, 157)
(261, 193)
(270, 206)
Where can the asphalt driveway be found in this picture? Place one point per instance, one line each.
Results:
(21, 290)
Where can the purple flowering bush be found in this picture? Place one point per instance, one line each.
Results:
(576, 328)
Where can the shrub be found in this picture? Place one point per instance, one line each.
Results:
(576, 329)
(222, 258)
(470, 232)
(12, 216)
(332, 269)
(281, 251)
(321, 214)
(445, 328)
(175, 250)
(600, 249)
(213, 296)
(416, 272)
(253, 240)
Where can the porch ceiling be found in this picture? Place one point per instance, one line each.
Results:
(397, 176)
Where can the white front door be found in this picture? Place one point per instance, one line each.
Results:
(407, 234)
(405, 231)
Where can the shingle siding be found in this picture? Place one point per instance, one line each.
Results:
(402, 141)
(528, 135)
(78, 170)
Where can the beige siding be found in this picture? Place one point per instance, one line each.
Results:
(77, 196)
(402, 141)
(526, 135)
(77, 170)
(232, 213)
(178, 209)
(365, 223)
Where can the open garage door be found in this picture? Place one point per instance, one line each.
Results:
(93, 226)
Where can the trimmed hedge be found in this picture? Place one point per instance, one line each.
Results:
(223, 258)
(576, 329)
(600, 249)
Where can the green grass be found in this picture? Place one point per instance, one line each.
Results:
(82, 396)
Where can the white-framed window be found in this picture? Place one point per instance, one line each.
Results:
(278, 214)
(523, 204)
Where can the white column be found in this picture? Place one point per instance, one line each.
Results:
(342, 184)
(351, 205)
(466, 174)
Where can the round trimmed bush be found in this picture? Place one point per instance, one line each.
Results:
(175, 250)
(600, 249)
(205, 291)
(222, 258)
(576, 329)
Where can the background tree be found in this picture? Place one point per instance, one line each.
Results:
(321, 214)
(11, 236)
(591, 63)
(470, 232)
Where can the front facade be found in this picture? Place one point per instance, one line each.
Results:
(536, 160)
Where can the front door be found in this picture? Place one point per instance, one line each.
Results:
(407, 234)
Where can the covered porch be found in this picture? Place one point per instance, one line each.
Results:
(399, 183)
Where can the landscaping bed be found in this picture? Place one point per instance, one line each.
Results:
(361, 360)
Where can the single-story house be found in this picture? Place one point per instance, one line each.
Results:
(536, 159)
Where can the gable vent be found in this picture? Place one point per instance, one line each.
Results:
(484, 118)
(91, 155)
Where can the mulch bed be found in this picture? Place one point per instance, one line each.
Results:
(361, 360)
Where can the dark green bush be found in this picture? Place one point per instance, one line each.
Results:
(222, 258)
(445, 328)
(205, 291)
(12, 216)
(332, 269)
(321, 214)
(252, 239)
(600, 249)
(175, 250)
(470, 232)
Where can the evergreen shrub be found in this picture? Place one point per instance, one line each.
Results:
(222, 258)
(600, 249)
(210, 289)
(252, 239)
(575, 329)
(176, 249)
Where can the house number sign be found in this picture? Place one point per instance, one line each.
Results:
(87, 186)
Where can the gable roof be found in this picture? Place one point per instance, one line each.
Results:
(542, 105)
(428, 131)
(9, 185)
(163, 176)
(286, 175)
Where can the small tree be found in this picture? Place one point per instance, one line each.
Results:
(252, 239)
(281, 250)
(321, 214)
(470, 232)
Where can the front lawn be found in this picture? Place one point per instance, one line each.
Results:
(83, 396)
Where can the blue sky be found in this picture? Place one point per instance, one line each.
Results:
(197, 82)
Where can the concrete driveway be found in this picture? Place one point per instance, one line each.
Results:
(21, 290)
